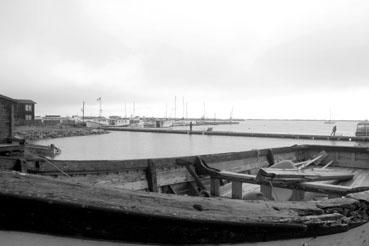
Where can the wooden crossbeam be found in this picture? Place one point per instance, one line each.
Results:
(305, 175)
(189, 167)
(214, 186)
(332, 189)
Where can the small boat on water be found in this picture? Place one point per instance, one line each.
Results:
(298, 195)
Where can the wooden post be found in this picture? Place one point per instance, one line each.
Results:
(20, 166)
(151, 176)
(11, 123)
(214, 186)
(236, 190)
(270, 157)
(267, 191)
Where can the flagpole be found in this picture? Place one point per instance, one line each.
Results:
(100, 111)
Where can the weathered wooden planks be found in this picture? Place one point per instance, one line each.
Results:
(330, 188)
(295, 175)
(317, 160)
(55, 206)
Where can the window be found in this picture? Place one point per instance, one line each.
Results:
(28, 107)
(28, 117)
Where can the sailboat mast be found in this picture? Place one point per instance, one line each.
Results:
(175, 107)
(231, 114)
(166, 111)
(204, 111)
(186, 110)
(125, 110)
(183, 108)
(134, 109)
(83, 111)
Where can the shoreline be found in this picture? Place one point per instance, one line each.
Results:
(35, 133)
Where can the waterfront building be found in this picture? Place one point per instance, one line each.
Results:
(7, 105)
(24, 110)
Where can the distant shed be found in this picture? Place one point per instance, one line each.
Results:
(7, 105)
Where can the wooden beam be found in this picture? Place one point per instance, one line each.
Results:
(11, 123)
(241, 177)
(190, 169)
(236, 190)
(327, 165)
(332, 189)
(305, 175)
(151, 176)
(214, 186)
(270, 157)
(20, 165)
(317, 160)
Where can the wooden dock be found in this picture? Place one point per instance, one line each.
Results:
(243, 134)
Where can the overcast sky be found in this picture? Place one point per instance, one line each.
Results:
(266, 59)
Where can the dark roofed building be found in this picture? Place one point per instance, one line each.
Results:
(7, 106)
(24, 110)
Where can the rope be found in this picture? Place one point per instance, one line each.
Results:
(49, 162)
(52, 164)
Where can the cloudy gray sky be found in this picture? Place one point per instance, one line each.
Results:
(266, 59)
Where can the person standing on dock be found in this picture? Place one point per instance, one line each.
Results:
(190, 126)
(334, 129)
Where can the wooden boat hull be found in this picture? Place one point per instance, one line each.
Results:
(42, 204)
(357, 236)
(63, 206)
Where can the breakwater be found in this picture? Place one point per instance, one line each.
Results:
(33, 133)
(243, 134)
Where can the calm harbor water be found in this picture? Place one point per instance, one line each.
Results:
(134, 145)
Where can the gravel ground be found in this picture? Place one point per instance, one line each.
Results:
(33, 133)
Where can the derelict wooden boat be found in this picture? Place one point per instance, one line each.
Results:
(110, 199)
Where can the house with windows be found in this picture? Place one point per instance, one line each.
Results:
(7, 105)
(24, 110)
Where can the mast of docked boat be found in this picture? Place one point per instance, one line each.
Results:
(231, 115)
(186, 110)
(183, 108)
(175, 108)
(204, 112)
(134, 109)
(125, 110)
(83, 110)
